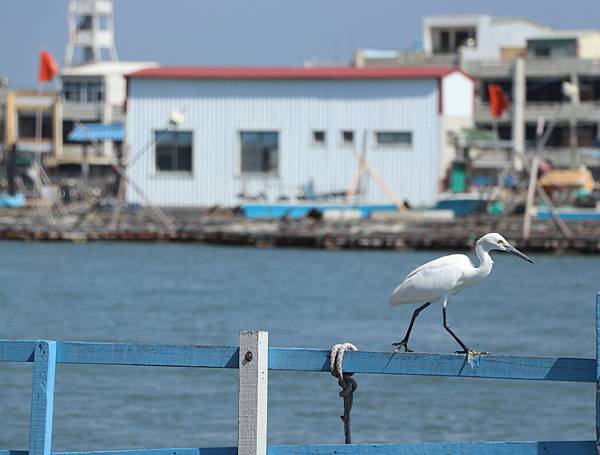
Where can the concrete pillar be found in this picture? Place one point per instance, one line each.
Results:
(518, 113)
(573, 143)
(107, 117)
(11, 169)
(85, 172)
(57, 128)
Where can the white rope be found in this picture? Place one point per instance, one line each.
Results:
(345, 381)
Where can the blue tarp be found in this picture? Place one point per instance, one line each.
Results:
(576, 214)
(16, 201)
(96, 132)
(270, 211)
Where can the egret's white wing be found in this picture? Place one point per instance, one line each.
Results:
(432, 280)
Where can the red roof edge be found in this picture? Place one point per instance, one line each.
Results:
(273, 73)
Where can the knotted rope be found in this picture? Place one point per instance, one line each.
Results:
(345, 381)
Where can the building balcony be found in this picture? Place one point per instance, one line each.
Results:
(534, 67)
(369, 57)
(84, 112)
(91, 112)
(541, 67)
(73, 154)
(584, 111)
(488, 69)
(562, 157)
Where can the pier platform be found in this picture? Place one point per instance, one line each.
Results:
(254, 358)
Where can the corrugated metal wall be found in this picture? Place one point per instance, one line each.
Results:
(216, 111)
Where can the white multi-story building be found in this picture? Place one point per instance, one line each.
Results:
(201, 136)
(93, 86)
(93, 102)
(531, 63)
(478, 37)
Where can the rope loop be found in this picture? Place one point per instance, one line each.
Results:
(345, 381)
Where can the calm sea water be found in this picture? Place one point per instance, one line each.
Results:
(193, 294)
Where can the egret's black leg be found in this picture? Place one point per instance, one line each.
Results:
(466, 350)
(404, 341)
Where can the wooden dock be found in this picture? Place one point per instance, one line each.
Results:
(254, 359)
(227, 228)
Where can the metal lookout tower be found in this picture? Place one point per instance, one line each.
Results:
(91, 32)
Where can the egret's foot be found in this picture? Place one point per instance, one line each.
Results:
(400, 344)
(471, 352)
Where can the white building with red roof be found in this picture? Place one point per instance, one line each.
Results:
(204, 136)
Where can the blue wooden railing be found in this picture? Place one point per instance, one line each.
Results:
(46, 354)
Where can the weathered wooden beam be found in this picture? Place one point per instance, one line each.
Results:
(42, 398)
(253, 384)
(174, 451)
(433, 448)
(17, 350)
(443, 448)
(149, 354)
(484, 366)
(299, 359)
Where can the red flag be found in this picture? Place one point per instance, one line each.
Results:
(498, 100)
(48, 67)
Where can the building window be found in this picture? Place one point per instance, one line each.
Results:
(84, 22)
(260, 152)
(318, 137)
(542, 52)
(83, 91)
(462, 37)
(28, 124)
(444, 41)
(347, 137)
(173, 151)
(394, 138)
(449, 40)
(102, 22)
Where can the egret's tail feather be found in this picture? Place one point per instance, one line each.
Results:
(397, 299)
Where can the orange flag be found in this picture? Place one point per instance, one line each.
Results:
(48, 67)
(498, 100)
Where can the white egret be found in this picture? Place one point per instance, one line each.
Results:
(437, 280)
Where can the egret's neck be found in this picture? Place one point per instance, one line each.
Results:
(485, 260)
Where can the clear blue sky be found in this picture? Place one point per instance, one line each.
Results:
(255, 32)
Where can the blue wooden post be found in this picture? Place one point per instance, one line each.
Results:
(598, 372)
(42, 398)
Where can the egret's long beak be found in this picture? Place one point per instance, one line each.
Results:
(511, 249)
